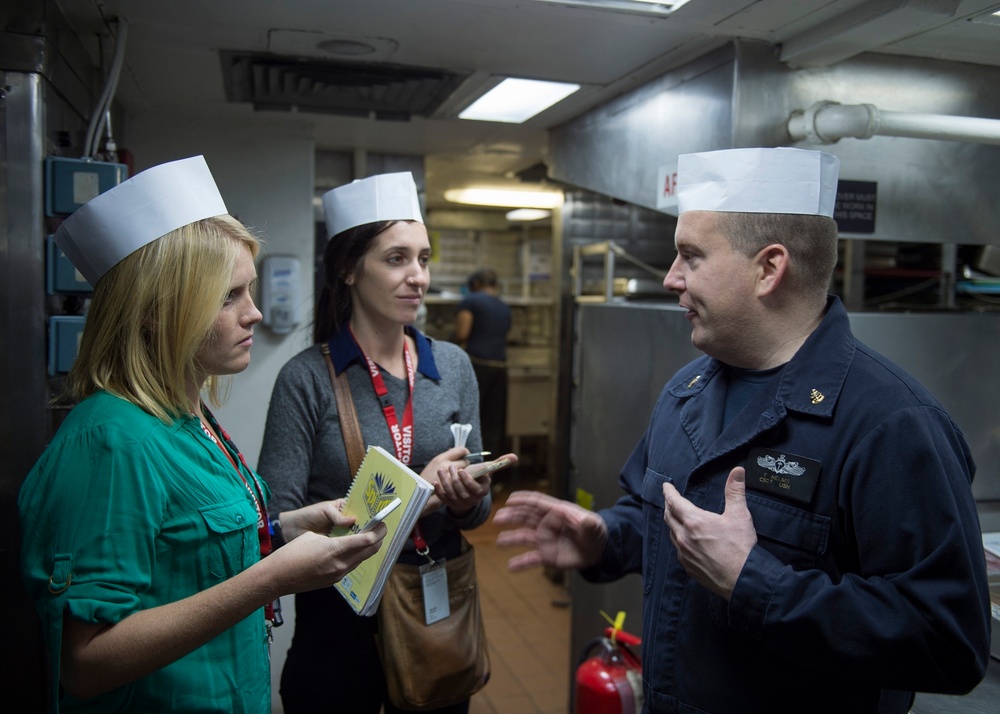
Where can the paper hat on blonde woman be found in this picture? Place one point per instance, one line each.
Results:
(778, 180)
(136, 212)
(386, 197)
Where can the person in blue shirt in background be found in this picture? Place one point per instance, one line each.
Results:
(482, 322)
(799, 507)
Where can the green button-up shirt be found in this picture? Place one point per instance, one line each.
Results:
(124, 513)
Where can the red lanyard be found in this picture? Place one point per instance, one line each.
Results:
(402, 438)
(263, 532)
(258, 506)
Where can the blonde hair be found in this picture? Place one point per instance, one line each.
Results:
(151, 313)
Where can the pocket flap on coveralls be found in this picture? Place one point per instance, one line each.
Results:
(791, 526)
(652, 488)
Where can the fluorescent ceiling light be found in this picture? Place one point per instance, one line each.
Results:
(528, 214)
(506, 198)
(517, 100)
(642, 7)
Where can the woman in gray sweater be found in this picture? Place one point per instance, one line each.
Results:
(376, 270)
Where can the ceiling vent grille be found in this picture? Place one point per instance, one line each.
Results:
(382, 91)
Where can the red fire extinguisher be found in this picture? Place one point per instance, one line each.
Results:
(611, 681)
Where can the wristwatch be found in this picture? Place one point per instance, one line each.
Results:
(277, 537)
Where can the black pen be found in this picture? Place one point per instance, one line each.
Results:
(477, 458)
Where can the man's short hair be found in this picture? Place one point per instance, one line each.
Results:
(811, 242)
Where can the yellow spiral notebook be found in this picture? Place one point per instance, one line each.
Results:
(380, 479)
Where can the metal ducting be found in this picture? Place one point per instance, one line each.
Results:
(938, 189)
(384, 91)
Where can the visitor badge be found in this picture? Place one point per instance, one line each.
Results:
(434, 580)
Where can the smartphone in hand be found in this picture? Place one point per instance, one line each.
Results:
(380, 516)
(488, 468)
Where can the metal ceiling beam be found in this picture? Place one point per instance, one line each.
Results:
(865, 27)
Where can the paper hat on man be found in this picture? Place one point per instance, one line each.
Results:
(136, 212)
(778, 180)
(386, 197)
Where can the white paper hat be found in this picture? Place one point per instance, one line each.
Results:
(149, 205)
(386, 197)
(779, 180)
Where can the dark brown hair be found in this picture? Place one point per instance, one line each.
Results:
(483, 278)
(343, 253)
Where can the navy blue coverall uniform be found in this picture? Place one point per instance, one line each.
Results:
(868, 579)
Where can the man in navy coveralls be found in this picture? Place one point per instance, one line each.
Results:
(799, 507)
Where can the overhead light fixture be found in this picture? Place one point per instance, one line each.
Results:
(528, 214)
(516, 100)
(505, 197)
(640, 7)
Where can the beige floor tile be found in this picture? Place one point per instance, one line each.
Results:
(527, 626)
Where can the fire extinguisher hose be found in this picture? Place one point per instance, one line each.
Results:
(589, 648)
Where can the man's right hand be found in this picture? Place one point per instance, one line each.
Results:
(559, 534)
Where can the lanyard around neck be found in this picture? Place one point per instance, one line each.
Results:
(402, 435)
(263, 531)
(258, 504)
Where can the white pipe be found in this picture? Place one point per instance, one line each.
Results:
(107, 96)
(828, 122)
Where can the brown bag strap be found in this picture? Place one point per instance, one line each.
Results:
(349, 425)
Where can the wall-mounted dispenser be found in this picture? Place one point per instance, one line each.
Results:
(280, 281)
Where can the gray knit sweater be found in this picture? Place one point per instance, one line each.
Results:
(303, 458)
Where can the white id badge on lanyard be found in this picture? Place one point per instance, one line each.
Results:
(434, 581)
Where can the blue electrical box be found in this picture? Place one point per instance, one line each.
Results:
(61, 276)
(65, 332)
(70, 183)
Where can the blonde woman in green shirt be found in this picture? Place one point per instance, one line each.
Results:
(144, 530)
